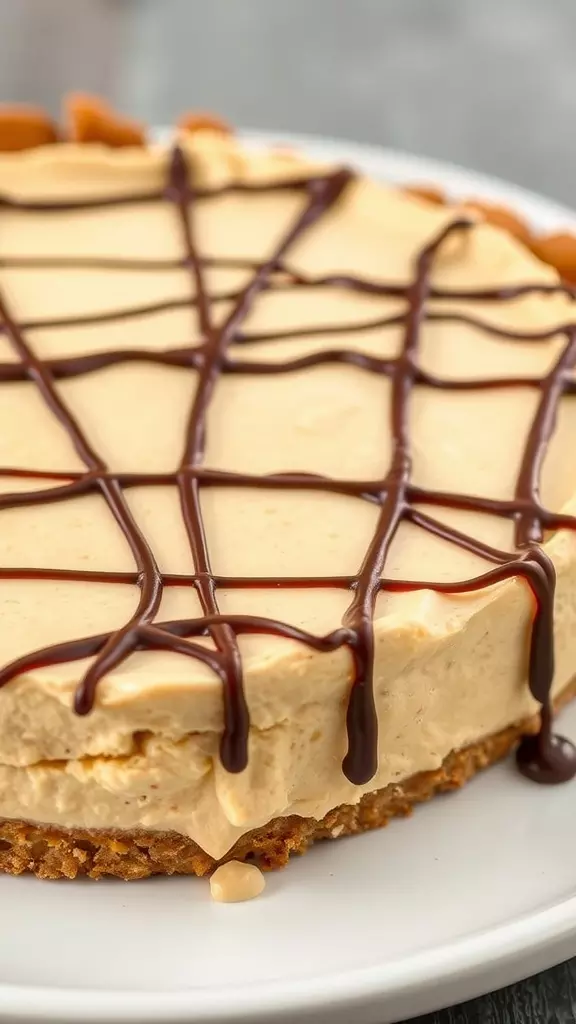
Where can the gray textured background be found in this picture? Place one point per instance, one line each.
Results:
(488, 83)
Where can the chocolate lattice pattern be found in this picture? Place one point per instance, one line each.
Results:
(548, 758)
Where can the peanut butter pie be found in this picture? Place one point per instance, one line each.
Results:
(287, 498)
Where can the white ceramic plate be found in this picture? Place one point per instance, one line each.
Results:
(475, 891)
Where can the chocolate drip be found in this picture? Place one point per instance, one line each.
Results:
(545, 757)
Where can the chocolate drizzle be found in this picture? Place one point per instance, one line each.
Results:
(545, 758)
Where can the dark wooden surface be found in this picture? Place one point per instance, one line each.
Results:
(547, 998)
(489, 84)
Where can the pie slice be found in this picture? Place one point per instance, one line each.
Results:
(287, 499)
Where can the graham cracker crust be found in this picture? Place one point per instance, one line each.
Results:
(52, 852)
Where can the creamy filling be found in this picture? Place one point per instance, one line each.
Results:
(235, 882)
(448, 670)
(447, 677)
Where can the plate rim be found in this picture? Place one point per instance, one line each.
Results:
(425, 980)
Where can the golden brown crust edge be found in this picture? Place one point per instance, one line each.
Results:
(86, 119)
(558, 249)
(53, 852)
(91, 119)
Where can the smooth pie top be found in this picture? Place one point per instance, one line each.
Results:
(330, 419)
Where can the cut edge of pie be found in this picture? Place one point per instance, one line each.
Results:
(50, 852)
